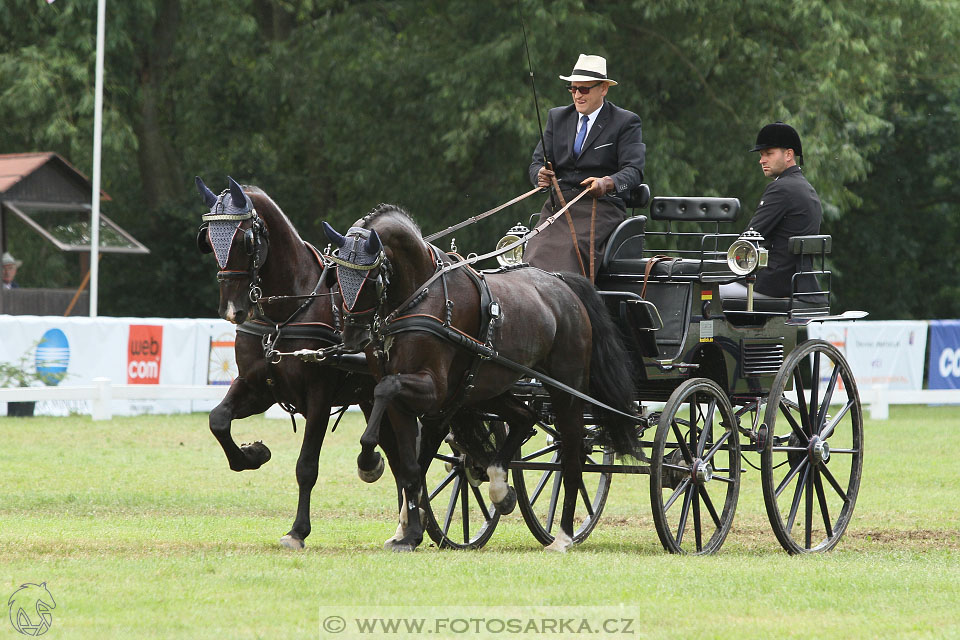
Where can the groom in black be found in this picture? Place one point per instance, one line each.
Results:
(591, 144)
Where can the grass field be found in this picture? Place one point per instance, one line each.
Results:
(140, 530)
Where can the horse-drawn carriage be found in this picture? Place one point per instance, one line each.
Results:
(713, 381)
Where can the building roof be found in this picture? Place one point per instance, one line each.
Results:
(17, 167)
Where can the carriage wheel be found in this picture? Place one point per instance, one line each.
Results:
(540, 491)
(695, 469)
(458, 513)
(812, 449)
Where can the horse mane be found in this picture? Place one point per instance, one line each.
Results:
(258, 196)
(384, 209)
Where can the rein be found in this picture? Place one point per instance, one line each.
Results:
(479, 217)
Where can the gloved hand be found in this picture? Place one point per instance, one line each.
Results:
(598, 186)
(544, 177)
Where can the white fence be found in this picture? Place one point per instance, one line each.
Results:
(102, 393)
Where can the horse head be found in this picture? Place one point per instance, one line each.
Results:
(239, 238)
(363, 273)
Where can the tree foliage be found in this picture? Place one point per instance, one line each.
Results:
(333, 106)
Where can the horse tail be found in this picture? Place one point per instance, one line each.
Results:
(611, 371)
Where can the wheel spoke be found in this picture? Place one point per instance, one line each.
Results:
(465, 510)
(542, 483)
(681, 443)
(698, 538)
(676, 493)
(833, 483)
(536, 454)
(451, 507)
(824, 511)
(710, 508)
(801, 481)
(794, 471)
(554, 496)
(446, 481)
(801, 404)
(713, 450)
(684, 512)
(808, 511)
(480, 502)
(828, 397)
(828, 430)
(586, 498)
(814, 390)
(707, 426)
(785, 411)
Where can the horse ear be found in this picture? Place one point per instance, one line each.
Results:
(373, 243)
(333, 236)
(236, 192)
(209, 198)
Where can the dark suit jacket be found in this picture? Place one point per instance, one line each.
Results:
(614, 147)
(789, 207)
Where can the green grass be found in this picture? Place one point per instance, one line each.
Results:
(140, 530)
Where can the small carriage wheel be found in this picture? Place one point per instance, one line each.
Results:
(812, 455)
(695, 469)
(453, 491)
(540, 491)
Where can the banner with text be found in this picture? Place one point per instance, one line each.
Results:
(944, 354)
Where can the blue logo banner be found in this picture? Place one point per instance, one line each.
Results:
(944, 354)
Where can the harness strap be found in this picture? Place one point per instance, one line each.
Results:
(651, 263)
(593, 235)
(477, 218)
(434, 326)
(569, 217)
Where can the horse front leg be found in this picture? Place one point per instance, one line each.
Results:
(308, 463)
(402, 397)
(570, 425)
(243, 399)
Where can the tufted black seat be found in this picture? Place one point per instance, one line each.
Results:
(624, 250)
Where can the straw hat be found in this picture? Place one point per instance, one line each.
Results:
(9, 259)
(589, 69)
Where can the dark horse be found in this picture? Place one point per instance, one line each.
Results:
(559, 327)
(260, 254)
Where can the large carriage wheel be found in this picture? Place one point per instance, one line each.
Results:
(695, 469)
(458, 513)
(812, 449)
(540, 491)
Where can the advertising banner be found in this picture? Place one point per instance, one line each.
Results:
(75, 350)
(944, 370)
(882, 354)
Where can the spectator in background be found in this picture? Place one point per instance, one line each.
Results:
(10, 266)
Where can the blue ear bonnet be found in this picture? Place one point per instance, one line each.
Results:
(227, 212)
(355, 251)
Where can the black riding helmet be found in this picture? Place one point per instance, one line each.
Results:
(780, 135)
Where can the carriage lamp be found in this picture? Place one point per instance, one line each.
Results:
(744, 257)
(515, 255)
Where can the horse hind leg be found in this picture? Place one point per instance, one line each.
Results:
(242, 400)
(570, 424)
(520, 418)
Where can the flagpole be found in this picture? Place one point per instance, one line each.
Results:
(97, 133)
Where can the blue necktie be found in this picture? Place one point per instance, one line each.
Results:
(578, 143)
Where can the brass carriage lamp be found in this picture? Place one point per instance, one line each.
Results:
(744, 257)
(515, 255)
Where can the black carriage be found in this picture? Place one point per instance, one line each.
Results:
(716, 378)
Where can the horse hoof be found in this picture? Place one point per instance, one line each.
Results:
(509, 502)
(256, 453)
(560, 544)
(374, 474)
(399, 547)
(290, 542)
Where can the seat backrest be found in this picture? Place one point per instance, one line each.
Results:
(626, 241)
(693, 209)
(809, 245)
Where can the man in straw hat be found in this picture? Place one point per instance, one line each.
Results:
(10, 266)
(590, 144)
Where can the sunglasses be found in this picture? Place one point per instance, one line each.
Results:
(582, 90)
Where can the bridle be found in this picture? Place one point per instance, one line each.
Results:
(256, 242)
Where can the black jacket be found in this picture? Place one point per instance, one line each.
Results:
(613, 148)
(789, 207)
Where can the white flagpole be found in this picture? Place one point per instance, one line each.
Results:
(97, 133)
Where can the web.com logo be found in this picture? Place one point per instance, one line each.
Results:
(949, 363)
